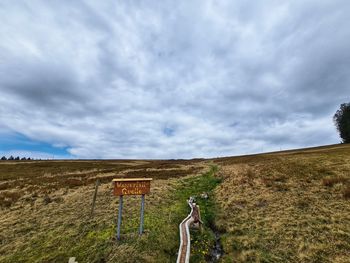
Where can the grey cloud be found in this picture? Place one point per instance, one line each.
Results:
(40, 83)
(174, 80)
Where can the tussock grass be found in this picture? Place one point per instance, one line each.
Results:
(286, 207)
(53, 226)
(291, 206)
(7, 198)
(347, 193)
(330, 181)
(40, 178)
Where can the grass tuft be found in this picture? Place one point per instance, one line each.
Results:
(346, 193)
(330, 181)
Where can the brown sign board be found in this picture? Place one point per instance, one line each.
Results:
(132, 186)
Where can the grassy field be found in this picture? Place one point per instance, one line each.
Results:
(45, 211)
(289, 206)
(286, 207)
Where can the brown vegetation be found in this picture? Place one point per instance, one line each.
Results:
(45, 211)
(346, 193)
(286, 207)
(330, 181)
(45, 177)
(291, 206)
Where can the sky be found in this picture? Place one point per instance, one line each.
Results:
(170, 79)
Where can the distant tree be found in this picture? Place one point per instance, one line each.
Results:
(11, 158)
(23, 158)
(342, 122)
(28, 159)
(3, 158)
(17, 158)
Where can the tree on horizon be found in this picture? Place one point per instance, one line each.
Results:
(342, 122)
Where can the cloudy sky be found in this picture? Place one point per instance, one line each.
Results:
(170, 79)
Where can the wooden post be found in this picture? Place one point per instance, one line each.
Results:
(142, 212)
(120, 216)
(94, 198)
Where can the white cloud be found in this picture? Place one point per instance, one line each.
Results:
(173, 79)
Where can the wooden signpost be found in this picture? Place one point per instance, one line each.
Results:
(131, 186)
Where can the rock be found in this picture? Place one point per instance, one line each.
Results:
(204, 195)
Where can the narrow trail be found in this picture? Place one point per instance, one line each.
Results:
(185, 241)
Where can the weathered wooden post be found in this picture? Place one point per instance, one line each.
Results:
(131, 186)
(94, 198)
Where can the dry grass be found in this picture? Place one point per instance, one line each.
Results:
(330, 181)
(7, 198)
(40, 178)
(346, 193)
(44, 213)
(291, 206)
(288, 207)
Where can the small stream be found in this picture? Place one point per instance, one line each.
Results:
(217, 250)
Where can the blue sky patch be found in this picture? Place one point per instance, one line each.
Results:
(19, 142)
(169, 132)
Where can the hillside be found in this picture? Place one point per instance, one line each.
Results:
(45, 210)
(291, 206)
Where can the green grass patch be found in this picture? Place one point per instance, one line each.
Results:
(201, 241)
(162, 223)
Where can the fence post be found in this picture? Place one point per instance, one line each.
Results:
(94, 198)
